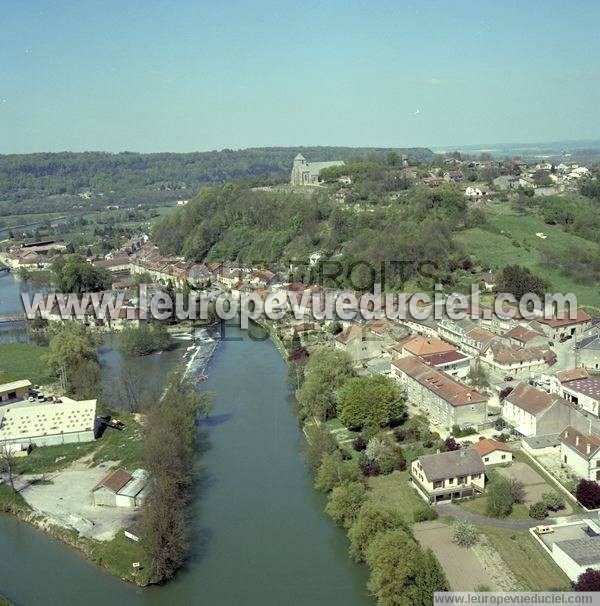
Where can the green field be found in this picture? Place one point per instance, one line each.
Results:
(395, 492)
(478, 505)
(519, 244)
(532, 567)
(23, 361)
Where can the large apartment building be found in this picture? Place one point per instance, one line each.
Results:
(28, 422)
(447, 401)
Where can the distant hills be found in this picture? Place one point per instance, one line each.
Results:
(43, 182)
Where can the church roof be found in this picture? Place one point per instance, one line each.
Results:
(299, 157)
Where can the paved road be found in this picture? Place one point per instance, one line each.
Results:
(449, 509)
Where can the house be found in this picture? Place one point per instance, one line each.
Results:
(454, 363)
(534, 412)
(420, 345)
(15, 390)
(581, 452)
(525, 336)
(447, 401)
(493, 452)
(588, 351)
(360, 343)
(307, 173)
(121, 488)
(518, 361)
(583, 392)
(506, 182)
(448, 475)
(574, 546)
(567, 327)
(29, 422)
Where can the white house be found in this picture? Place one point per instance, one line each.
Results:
(581, 452)
(493, 452)
(61, 421)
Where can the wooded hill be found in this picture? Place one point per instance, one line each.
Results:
(46, 182)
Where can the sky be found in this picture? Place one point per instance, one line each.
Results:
(187, 75)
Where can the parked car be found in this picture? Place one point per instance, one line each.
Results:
(508, 378)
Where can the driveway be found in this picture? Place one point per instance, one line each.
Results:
(451, 510)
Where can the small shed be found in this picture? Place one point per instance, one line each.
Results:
(105, 492)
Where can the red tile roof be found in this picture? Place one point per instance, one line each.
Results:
(452, 391)
(587, 445)
(487, 445)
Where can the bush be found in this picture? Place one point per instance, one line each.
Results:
(450, 444)
(335, 471)
(425, 514)
(588, 494)
(464, 533)
(553, 501)
(538, 511)
(144, 340)
(500, 500)
(457, 432)
(345, 502)
(588, 581)
(359, 444)
(517, 490)
(400, 435)
(369, 468)
(371, 519)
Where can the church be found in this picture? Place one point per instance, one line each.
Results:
(307, 173)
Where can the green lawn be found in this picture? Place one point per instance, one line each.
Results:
(519, 244)
(478, 505)
(23, 361)
(11, 501)
(394, 491)
(122, 446)
(532, 567)
(118, 555)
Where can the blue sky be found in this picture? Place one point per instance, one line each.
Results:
(188, 75)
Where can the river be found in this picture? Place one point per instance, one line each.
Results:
(259, 533)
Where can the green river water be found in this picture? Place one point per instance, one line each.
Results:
(260, 536)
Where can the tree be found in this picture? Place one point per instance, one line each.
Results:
(170, 434)
(499, 498)
(464, 533)
(588, 581)
(553, 501)
(371, 519)
(520, 280)
(516, 489)
(326, 371)
(478, 376)
(402, 574)
(144, 340)
(72, 357)
(538, 511)
(319, 442)
(450, 444)
(7, 462)
(335, 471)
(75, 275)
(588, 494)
(369, 401)
(345, 502)
(425, 514)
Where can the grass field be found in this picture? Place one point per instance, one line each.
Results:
(478, 505)
(395, 492)
(114, 445)
(23, 361)
(532, 567)
(118, 555)
(519, 244)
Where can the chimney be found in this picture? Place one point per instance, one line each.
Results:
(469, 396)
(577, 440)
(589, 448)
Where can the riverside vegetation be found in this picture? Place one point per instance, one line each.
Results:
(401, 572)
(164, 444)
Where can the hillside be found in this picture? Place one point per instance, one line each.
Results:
(52, 181)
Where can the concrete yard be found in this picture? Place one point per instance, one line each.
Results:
(535, 485)
(68, 501)
(461, 565)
